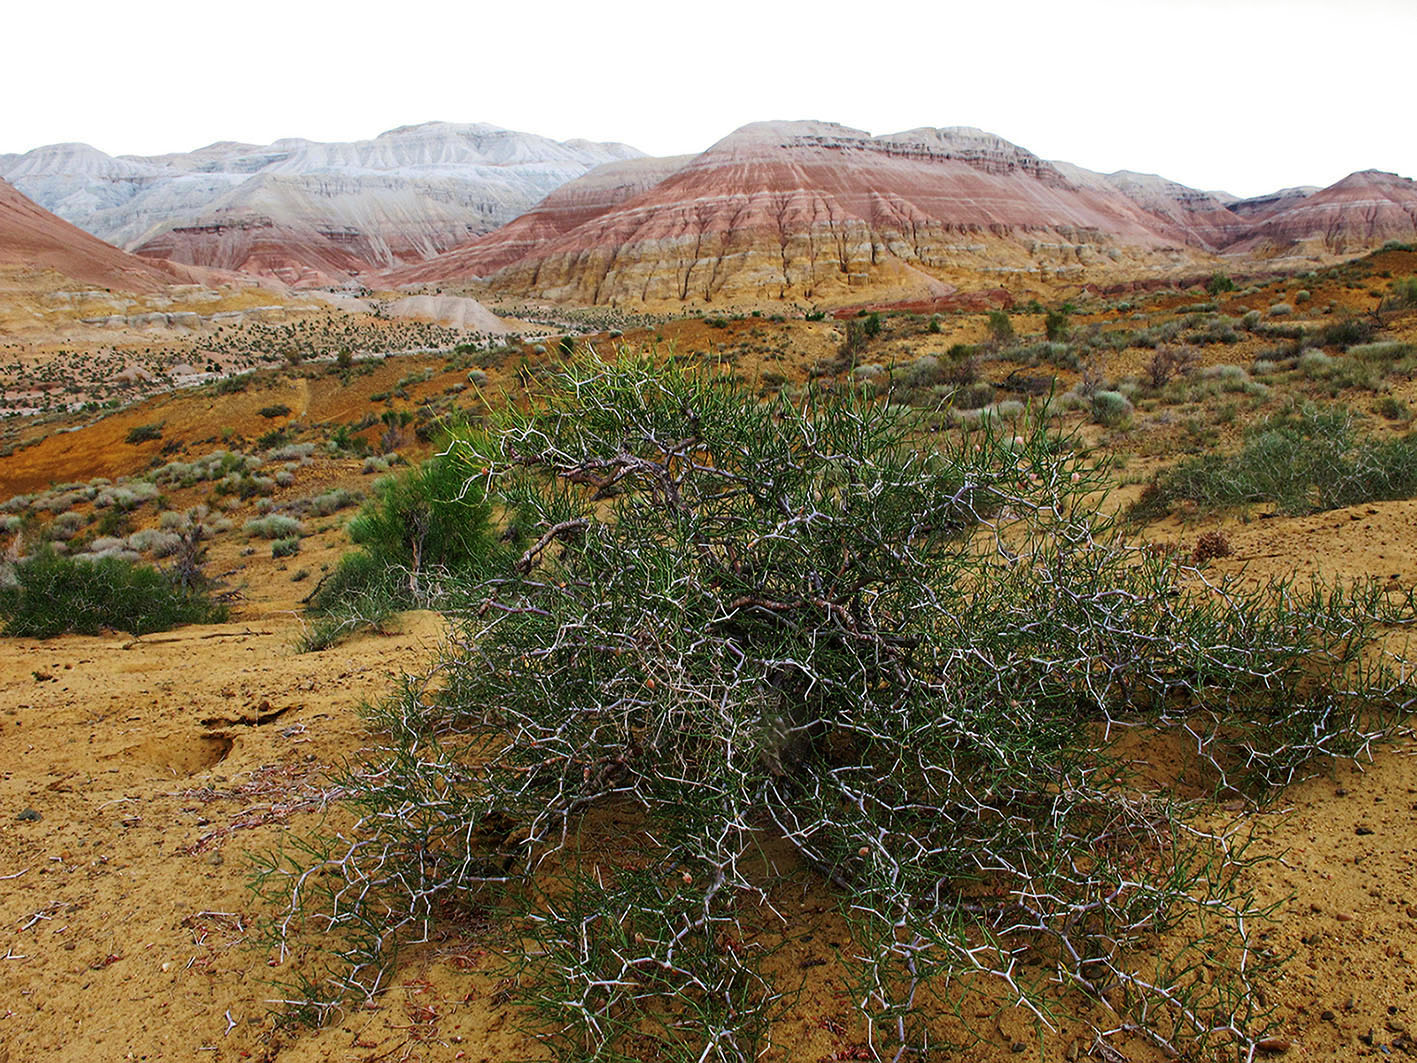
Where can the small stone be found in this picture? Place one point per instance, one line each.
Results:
(29, 815)
(1017, 1047)
(1328, 1015)
(1362, 829)
(216, 860)
(1273, 1046)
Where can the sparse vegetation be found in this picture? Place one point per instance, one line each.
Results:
(1304, 461)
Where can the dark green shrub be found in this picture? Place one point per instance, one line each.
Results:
(1057, 324)
(419, 529)
(279, 410)
(1001, 327)
(286, 547)
(1346, 333)
(143, 433)
(1218, 283)
(56, 595)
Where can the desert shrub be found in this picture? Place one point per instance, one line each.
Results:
(973, 396)
(1346, 333)
(1111, 408)
(244, 485)
(1392, 408)
(1057, 325)
(1280, 310)
(1404, 292)
(1156, 335)
(291, 452)
(1001, 327)
(1052, 353)
(1305, 461)
(143, 433)
(420, 529)
(213, 466)
(232, 385)
(924, 372)
(1209, 545)
(1316, 364)
(1217, 330)
(1218, 283)
(277, 410)
(155, 541)
(1169, 362)
(747, 629)
(326, 503)
(287, 547)
(56, 595)
(361, 593)
(125, 496)
(67, 525)
(856, 341)
(273, 526)
(1387, 356)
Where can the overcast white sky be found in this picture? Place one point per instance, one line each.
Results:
(1241, 95)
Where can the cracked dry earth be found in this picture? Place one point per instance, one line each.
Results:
(154, 764)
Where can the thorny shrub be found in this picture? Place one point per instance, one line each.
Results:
(743, 629)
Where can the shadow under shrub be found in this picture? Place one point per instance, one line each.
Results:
(54, 595)
(742, 629)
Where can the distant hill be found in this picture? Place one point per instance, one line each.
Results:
(820, 212)
(304, 211)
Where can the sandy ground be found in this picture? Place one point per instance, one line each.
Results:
(156, 764)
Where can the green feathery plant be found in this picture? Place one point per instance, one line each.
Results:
(750, 639)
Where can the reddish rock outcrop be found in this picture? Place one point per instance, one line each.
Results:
(1258, 208)
(294, 254)
(810, 211)
(1361, 212)
(572, 205)
(32, 237)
